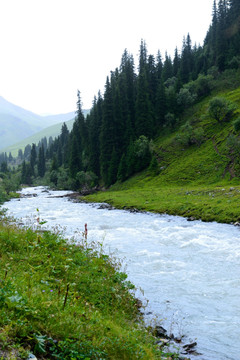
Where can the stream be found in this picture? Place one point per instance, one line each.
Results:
(187, 272)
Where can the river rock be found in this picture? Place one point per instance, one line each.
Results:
(160, 332)
(105, 206)
(191, 218)
(31, 357)
(189, 347)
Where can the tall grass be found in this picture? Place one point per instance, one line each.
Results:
(60, 300)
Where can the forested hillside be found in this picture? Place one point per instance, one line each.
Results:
(142, 110)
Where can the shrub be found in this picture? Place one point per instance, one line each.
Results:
(190, 136)
(185, 98)
(233, 144)
(221, 109)
(201, 86)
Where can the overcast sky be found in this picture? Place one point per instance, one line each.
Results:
(51, 48)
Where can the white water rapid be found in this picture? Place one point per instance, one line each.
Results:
(189, 271)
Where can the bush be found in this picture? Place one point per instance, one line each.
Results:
(190, 136)
(201, 86)
(221, 109)
(233, 144)
(185, 98)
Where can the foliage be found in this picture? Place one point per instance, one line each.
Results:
(190, 135)
(221, 109)
(86, 179)
(185, 98)
(201, 86)
(236, 124)
(233, 144)
(142, 153)
(170, 119)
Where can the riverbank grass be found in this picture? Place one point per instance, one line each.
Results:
(66, 301)
(217, 202)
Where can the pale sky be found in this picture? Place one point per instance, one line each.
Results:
(51, 48)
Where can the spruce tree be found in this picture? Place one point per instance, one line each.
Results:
(144, 110)
(186, 64)
(107, 136)
(122, 169)
(94, 122)
(113, 168)
(75, 156)
(167, 71)
(33, 157)
(41, 162)
(161, 104)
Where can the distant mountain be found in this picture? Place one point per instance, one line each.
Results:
(17, 123)
(61, 118)
(53, 131)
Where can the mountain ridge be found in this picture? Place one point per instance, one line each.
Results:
(17, 123)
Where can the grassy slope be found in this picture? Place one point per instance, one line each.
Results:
(194, 181)
(66, 301)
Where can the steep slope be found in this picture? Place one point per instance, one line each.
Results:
(197, 181)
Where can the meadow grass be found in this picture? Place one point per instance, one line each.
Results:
(208, 203)
(62, 300)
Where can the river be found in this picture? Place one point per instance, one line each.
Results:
(188, 271)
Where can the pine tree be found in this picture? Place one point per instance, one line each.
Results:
(159, 66)
(167, 71)
(144, 109)
(186, 64)
(127, 88)
(26, 173)
(20, 154)
(41, 162)
(81, 122)
(107, 136)
(113, 168)
(221, 41)
(33, 158)
(122, 169)
(161, 104)
(75, 156)
(94, 121)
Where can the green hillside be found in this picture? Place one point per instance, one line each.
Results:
(197, 181)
